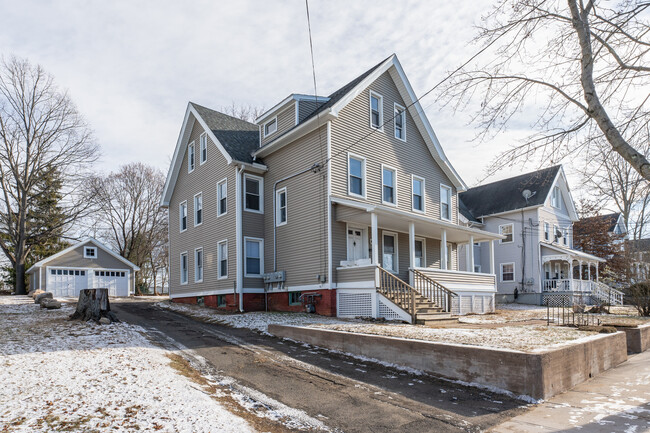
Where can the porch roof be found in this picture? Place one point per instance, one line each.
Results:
(398, 220)
(574, 254)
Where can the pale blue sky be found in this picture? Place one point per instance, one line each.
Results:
(132, 66)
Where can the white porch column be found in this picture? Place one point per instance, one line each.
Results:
(411, 250)
(589, 271)
(375, 238)
(443, 250)
(492, 264)
(597, 265)
(470, 255)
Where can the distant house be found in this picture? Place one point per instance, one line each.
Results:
(85, 265)
(614, 221)
(638, 251)
(344, 202)
(535, 212)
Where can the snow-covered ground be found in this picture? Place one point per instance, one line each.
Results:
(257, 321)
(522, 338)
(57, 375)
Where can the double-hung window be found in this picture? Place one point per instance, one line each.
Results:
(557, 234)
(547, 231)
(270, 127)
(254, 263)
(281, 207)
(198, 209)
(222, 197)
(400, 122)
(417, 186)
(184, 268)
(222, 258)
(507, 272)
(198, 265)
(190, 157)
(204, 148)
(506, 230)
(388, 185)
(376, 110)
(356, 175)
(253, 188)
(445, 202)
(556, 197)
(182, 215)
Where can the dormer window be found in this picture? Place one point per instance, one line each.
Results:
(376, 110)
(270, 127)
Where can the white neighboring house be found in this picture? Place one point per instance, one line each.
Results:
(88, 264)
(535, 211)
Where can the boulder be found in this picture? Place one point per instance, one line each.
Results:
(580, 309)
(41, 296)
(105, 321)
(35, 293)
(50, 304)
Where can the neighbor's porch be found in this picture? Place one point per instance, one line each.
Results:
(567, 270)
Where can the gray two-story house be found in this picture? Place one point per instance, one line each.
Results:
(535, 213)
(345, 203)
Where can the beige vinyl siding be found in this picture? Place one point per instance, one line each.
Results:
(302, 242)
(410, 157)
(253, 226)
(305, 108)
(214, 229)
(349, 275)
(75, 259)
(286, 121)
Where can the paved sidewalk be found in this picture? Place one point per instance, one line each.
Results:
(615, 401)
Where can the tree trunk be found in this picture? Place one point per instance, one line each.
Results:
(93, 304)
(20, 278)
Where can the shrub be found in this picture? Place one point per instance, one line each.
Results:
(638, 295)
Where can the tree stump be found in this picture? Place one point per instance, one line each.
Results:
(93, 304)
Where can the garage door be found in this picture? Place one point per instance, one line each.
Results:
(66, 282)
(117, 282)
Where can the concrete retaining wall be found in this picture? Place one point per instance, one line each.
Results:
(638, 339)
(539, 375)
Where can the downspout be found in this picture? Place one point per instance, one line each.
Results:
(238, 234)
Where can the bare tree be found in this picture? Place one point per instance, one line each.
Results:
(578, 68)
(41, 135)
(129, 212)
(244, 112)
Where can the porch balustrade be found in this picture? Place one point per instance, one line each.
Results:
(568, 285)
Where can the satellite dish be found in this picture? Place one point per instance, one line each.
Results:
(528, 194)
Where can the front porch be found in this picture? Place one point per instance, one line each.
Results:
(415, 250)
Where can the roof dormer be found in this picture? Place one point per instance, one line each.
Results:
(285, 115)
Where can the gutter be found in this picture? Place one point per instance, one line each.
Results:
(239, 285)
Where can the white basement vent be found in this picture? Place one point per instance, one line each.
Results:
(355, 305)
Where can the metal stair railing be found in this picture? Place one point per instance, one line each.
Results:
(432, 290)
(606, 294)
(398, 291)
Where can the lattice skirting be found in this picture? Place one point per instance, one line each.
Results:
(566, 299)
(368, 303)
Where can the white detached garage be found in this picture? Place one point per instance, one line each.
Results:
(88, 264)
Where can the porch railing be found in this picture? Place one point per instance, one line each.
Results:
(568, 285)
(397, 291)
(432, 290)
(608, 295)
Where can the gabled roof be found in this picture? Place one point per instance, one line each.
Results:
(610, 219)
(464, 211)
(506, 195)
(572, 252)
(340, 98)
(106, 249)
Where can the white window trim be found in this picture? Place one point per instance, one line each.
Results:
(189, 160)
(364, 240)
(363, 178)
(501, 241)
(555, 198)
(514, 275)
(203, 138)
(180, 216)
(381, 110)
(86, 256)
(394, 170)
(261, 193)
(424, 249)
(424, 206)
(275, 119)
(196, 264)
(187, 261)
(222, 277)
(451, 213)
(547, 231)
(395, 235)
(556, 228)
(222, 181)
(397, 106)
(195, 209)
(261, 242)
(278, 223)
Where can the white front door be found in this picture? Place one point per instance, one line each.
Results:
(355, 244)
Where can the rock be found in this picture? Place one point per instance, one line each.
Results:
(50, 304)
(36, 293)
(579, 308)
(31, 293)
(41, 296)
(105, 321)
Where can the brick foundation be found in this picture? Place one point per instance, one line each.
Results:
(325, 304)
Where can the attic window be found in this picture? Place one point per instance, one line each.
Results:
(270, 127)
(90, 252)
(556, 197)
